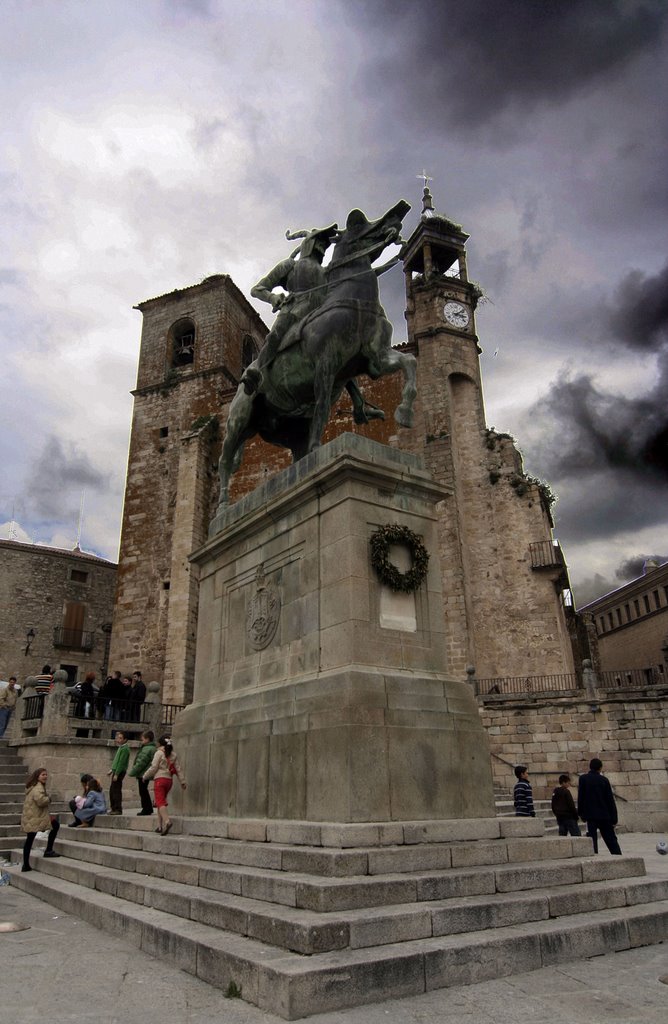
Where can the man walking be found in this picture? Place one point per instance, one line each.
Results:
(8, 698)
(596, 806)
(563, 808)
(522, 793)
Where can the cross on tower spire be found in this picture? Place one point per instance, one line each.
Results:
(427, 200)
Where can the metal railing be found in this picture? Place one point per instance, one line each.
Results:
(632, 677)
(527, 684)
(33, 707)
(169, 713)
(546, 555)
(100, 709)
(73, 639)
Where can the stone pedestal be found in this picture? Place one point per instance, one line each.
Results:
(321, 695)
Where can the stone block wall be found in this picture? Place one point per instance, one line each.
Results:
(36, 583)
(628, 731)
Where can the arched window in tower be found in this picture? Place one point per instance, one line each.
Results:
(182, 343)
(248, 351)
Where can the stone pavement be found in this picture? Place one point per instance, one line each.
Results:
(59, 969)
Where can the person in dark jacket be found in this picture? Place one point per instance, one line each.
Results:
(141, 762)
(86, 702)
(563, 808)
(522, 793)
(596, 806)
(137, 697)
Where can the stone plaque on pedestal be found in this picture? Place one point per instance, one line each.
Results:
(320, 694)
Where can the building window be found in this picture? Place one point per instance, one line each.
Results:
(657, 599)
(611, 620)
(248, 351)
(627, 609)
(601, 624)
(182, 343)
(164, 431)
(79, 576)
(645, 598)
(71, 673)
(619, 616)
(165, 585)
(636, 605)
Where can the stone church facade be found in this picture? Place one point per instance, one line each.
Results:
(507, 602)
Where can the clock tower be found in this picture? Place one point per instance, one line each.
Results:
(505, 582)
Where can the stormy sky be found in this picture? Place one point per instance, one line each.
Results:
(149, 144)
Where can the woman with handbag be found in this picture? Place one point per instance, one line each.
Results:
(36, 817)
(162, 770)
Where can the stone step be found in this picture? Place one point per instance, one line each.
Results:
(294, 986)
(309, 932)
(12, 772)
(160, 858)
(11, 829)
(332, 862)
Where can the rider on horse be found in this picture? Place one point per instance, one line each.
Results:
(305, 281)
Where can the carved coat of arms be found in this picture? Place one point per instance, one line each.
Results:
(262, 612)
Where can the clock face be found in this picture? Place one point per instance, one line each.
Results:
(456, 314)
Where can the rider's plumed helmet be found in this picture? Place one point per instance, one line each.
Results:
(324, 235)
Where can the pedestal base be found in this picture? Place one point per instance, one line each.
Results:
(321, 695)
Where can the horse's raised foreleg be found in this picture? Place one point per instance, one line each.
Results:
(236, 428)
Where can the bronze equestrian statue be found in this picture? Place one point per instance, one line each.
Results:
(330, 329)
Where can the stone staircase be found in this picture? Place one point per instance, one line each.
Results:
(304, 918)
(505, 808)
(12, 792)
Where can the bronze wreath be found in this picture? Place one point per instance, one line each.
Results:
(387, 572)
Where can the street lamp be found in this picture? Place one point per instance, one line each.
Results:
(30, 636)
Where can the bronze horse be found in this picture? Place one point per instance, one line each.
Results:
(346, 336)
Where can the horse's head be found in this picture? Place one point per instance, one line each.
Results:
(369, 237)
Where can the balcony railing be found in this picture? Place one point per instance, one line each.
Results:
(73, 639)
(546, 554)
(33, 707)
(527, 684)
(169, 713)
(632, 678)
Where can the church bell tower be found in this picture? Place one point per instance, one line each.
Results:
(504, 577)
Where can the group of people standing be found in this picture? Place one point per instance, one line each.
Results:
(120, 698)
(596, 804)
(152, 761)
(157, 762)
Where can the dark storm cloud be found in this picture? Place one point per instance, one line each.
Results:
(593, 587)
(596, 430)
(639, 317)
(56, 478)
(468, 62)
(632, 568)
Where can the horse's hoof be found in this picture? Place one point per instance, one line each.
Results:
(368, 413)
(404, 417)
